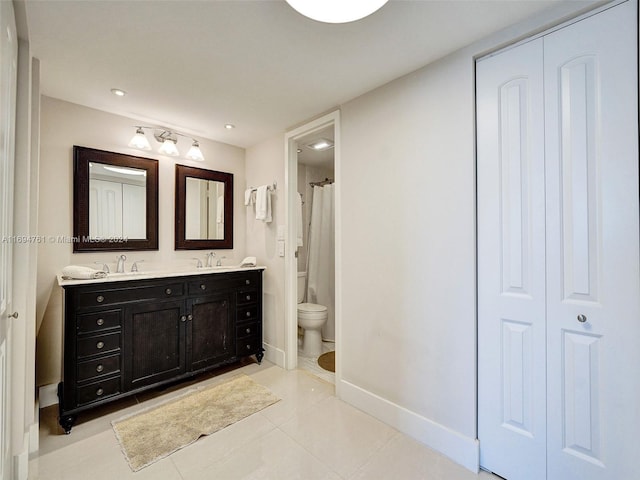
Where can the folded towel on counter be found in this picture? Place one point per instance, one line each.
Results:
(249, 197)
(78, 272)
(299, 219)
(263, 204)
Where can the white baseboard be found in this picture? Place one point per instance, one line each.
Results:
(274, 355)
(48, 395)
(21, 462)
(459, 448)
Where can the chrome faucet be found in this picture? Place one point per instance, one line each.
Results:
(120, 266)
(219, 262)
(210, 256)
(198, 263)
(105, 267)
(134, 267)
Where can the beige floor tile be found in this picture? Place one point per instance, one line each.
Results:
(406, 459)
(272, 457)
(338, 434)
(299, 390)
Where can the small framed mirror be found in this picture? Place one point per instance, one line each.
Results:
(204, 209)
(115, 198)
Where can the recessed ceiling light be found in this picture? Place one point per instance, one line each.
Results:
(320, 144)
(336, 11)
(118, 92)
(229, 126)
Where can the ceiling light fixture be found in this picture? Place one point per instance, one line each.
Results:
(118, 92)
(320, 144)
(229, 126)
(336, 11)
(168, 139)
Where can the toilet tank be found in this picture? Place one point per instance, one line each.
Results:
(302, 276)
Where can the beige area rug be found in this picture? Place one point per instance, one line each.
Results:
(151, 435)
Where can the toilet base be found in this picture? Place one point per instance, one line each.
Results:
(312, 343)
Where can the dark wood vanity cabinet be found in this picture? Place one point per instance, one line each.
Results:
(124, 337)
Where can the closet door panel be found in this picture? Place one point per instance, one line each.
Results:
(593, 279)
(511, 243)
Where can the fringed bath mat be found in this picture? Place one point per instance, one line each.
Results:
(151, 435)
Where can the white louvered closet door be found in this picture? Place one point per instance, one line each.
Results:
(580, 387)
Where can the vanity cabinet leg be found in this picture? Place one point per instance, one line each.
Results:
(66, 422)
(260, 355)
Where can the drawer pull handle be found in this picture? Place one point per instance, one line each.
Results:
(582, 318)
(248, 297)
(168, 291)
(248, 347)
(99, 299)
(189, 317)
(99, 368)
(248, 282)
(183, 318)
(203, 286)
(99, 345)
(248, 314)
(99, 392)
(248, 330)
(100, 321)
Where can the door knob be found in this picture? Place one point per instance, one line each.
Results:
(582, 318)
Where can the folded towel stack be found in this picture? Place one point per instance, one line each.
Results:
(78, 272)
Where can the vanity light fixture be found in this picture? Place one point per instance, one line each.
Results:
(336, 11)
(168, 139)
(320, 144)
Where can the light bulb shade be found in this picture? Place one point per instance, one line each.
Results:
(139, 141)
(195, 153)
(169, 148)
(336, 11)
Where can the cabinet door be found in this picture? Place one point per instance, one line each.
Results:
(154, 343)
(210, 336)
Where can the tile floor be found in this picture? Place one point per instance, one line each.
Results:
(310, 364)
(308, 435)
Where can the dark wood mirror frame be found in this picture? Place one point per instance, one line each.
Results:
(82, 243)
(182, 243)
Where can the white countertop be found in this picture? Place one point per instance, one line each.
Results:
(142, 275)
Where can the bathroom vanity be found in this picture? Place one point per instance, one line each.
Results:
(127, 333)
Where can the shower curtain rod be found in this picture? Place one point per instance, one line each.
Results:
(324, 182)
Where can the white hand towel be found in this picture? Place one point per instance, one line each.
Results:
(299, 219)
(248, 197)
(79, 272)
(263, 204)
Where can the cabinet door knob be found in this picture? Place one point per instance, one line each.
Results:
(248, 347)
(168, 291)
(248, 297)
(203, 286)
(582, 318)
(248, 314)
(183, 318)
(99, 299)
(248, 282)
(99, 392)
(100, 321)
(99, 345)
(189, 317)
(99, 368)
(248, 330)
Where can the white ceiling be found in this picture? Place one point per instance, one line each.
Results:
(196, 65)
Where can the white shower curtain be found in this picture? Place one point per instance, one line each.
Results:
(321, 258)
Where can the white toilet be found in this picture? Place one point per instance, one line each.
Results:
(311, 318)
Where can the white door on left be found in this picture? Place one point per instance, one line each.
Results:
(8, 72)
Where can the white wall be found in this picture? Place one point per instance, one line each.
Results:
(64, 125)
(264, 165)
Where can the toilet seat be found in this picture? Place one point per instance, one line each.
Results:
(311, 308)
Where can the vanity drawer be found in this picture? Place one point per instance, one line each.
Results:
(213, 282)
(246, 296)
(247, 313)
(247, 330)
(98, 368)
(248, 346)
(95, 322)
(97, 391)
(121, 295)
(99, 344)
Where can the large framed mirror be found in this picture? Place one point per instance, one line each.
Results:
(204, 209)
(115, 201)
